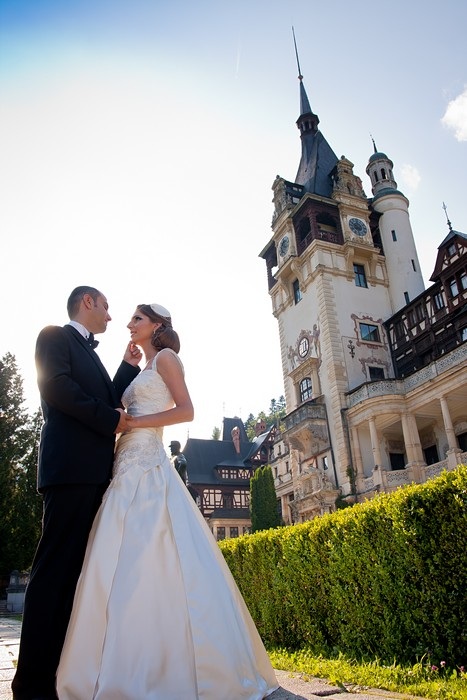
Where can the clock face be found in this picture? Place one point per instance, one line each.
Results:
(284, 246)
(303, 347)
(357, 226)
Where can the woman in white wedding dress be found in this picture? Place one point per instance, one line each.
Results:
(157, 614)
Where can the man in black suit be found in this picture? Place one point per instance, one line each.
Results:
(82, 414)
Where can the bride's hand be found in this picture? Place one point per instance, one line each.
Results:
(132, 354)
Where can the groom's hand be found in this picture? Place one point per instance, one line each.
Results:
(123, 422)
(132, 354)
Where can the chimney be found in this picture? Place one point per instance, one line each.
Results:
(236, 438)
(260, 427)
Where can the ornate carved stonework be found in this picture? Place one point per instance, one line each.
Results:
(345, 181)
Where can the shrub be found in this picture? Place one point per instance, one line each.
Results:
(386, 578)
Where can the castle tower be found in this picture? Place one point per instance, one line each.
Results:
(403, 267)
(331, 290)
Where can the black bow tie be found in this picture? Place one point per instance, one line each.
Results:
(93, 343)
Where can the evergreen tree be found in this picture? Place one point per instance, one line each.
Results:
(277, 411)
(216, 433)
(20, 505)
(263, 500)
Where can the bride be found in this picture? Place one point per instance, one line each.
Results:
(157, 614)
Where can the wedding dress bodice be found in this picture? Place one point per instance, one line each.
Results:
(146, 394)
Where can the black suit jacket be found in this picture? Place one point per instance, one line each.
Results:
(78, 401)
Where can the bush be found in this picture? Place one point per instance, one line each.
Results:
(386, 578)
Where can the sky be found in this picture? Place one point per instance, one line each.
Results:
(139, 141)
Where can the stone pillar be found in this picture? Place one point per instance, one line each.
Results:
(358, 464)
(375, 443)
(413, 447)
(454, 452)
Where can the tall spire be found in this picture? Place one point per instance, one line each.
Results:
(304, 102)
(447, 217)
(317, 159)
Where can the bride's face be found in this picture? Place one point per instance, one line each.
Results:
(141, 327)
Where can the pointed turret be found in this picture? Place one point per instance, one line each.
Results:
(403, 267)
(318, 158)
(379, 170)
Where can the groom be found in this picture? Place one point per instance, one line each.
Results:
(82, 413)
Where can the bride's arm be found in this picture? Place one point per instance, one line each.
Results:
(171, 372)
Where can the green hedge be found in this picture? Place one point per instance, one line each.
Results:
(386, 578)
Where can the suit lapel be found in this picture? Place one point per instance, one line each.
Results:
(92, 353)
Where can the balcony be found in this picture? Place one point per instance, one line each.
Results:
(306, 429)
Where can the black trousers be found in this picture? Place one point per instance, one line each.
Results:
(69, 511)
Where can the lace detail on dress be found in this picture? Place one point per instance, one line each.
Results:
(142, 448)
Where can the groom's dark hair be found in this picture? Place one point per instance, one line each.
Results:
(74, 300)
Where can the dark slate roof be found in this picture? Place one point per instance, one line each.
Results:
(452, 234)
(439, 264)
(257, 443)
(203, 456)
(231, 513)
(385, 191)
(230, 424)
(317, 161)
(377, 155)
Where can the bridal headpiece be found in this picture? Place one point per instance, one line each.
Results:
(163, 313)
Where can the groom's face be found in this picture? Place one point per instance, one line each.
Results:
(100, 315)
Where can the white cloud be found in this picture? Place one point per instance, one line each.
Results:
(410, 177)
(455, 117)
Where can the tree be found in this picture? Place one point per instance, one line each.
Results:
(216, 433)
(263, 500)
(277, 411)
(20, 505)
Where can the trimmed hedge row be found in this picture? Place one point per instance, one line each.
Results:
(385, 579)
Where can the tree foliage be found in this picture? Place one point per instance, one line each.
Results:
(277, 411)
(263, 500)
(20, 504)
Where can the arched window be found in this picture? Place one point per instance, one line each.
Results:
(305, 389)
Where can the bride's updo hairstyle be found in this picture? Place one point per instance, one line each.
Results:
(164, 336)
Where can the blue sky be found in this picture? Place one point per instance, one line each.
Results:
(139, 142)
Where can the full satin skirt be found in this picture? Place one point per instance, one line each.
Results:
(157, 614)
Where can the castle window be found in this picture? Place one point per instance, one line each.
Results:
(413, 265)
(221, 533)
(359, 275)
(376, 373)
(297, 295)
(406, 297)
(463, 279)
(234, 531)
(394, 237)
(452, 250)
(383, 174)
(376, 176)
(227, 501)
(369, 333)
(453, 287)
(305, 389)
(438, 301)
(464, 334)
